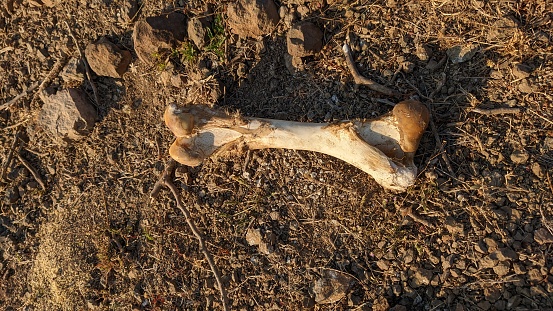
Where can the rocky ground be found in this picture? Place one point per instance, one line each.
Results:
(82, 151)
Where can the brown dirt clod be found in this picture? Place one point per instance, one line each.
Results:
(106, 59)
(252, 18)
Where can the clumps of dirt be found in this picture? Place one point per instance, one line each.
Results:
(150, 44)
(106, 59)
(252, 18)
(304, 39)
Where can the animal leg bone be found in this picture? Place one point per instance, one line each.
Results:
(383, 147)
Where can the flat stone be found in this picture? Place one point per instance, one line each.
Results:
(502, 29)
(106, 59)
(332, 286)
(293, 64)
(537, 170)
(304, 39)
(462, 53)
(254, 237)
(501, 269)
(252, 18)
(383, 265)
(543, 236)
(487, 262)
(521, 71)
(67, 114)
(484, 305)
(519, 156)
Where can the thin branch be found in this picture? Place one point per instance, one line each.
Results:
(439, 143)
(359, 79)
(10, 155)
(32, 170)
(54, 72)
(409, 212)
(87, 68)
(491, 112)
(166, 179)
(19, 96)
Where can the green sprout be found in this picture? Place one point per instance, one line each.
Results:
(216, 37)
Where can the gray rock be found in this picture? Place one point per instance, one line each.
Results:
(462, 53)
(106, 59)
(543, 236)
(252, 18)
(304, 39)
(332, 286)
(197, 31)
(519, 156)
(67, 114)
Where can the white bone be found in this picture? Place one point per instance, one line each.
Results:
(383, 147)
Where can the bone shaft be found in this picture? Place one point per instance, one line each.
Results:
(339, 141)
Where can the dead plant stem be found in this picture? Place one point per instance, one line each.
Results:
(491, 112)
(19, 96)
(32, 170)
(359, 79)
(10, 155)
(166, 179)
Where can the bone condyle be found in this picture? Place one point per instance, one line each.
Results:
(383, 147)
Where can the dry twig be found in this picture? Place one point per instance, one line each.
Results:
(359, 79)
(166, 179)
(32, 170)
(18, 97)
(87, 68)
(54, 72)
(491, 112)
(10, 155)
(439, 143)
(408, 211)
